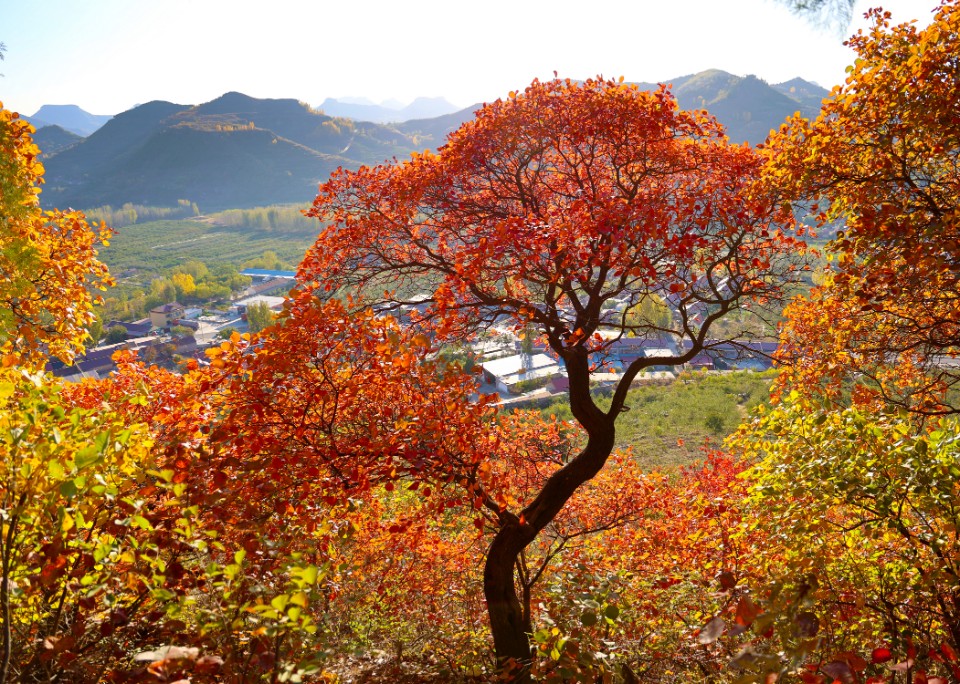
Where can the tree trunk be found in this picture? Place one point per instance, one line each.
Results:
(510, 630)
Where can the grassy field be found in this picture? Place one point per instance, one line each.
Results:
(161, 245)
(694, 409)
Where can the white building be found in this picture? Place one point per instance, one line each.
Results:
(507, 372)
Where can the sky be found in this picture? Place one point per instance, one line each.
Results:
(109, 55)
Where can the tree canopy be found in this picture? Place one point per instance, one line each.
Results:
(48, 259)
(546, 206)
(882, 159)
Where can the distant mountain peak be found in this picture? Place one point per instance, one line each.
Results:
(420, 108)
(365, 101)
(806, 93)
(240, 102)
(800, 83)
(51, 110)
(69, 117)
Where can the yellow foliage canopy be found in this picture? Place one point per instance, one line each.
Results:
(48, 259)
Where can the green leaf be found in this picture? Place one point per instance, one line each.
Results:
(68, 489)
(55, 469)
(86, 457)
(141, 522)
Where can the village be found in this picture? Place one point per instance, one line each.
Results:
(520, 370)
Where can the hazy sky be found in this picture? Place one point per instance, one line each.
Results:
(109, 55)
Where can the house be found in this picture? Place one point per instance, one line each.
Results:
(166, 315)
(95, 363)
(512, 373)
(185, 345)
(626, 349)
(139, 328)
(268, 286)
(274, 303)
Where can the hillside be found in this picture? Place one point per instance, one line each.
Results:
(431, 133)
(53, 139)
(212, 168)
(235, 151)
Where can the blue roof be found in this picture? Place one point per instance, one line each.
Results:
(267, 273)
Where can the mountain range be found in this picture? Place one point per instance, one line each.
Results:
(235, 151)
(239, 151)
(747, 106)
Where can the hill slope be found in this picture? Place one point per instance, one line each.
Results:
(53, 139)
(431, 133)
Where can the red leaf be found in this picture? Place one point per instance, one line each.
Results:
(840, 671)
(727, 580)
(747, 611)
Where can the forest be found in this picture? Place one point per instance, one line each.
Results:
(328, 499)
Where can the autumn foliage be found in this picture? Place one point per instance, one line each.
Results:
(538, 212)
(881, 159)
(856, 463)
(332, 497)
(48, 263)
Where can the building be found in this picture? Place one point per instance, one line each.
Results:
(268, 286)
(139, 328)
(701, 361)
(742, 354)
(166, 315)
(275, 304)
(94, 364)
(268, 274)
(512, 373)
